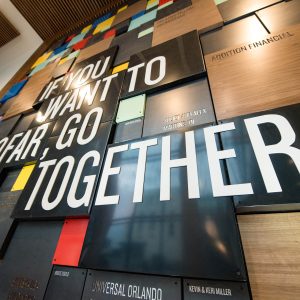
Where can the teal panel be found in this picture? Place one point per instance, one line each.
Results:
(131, 108)
(142, 19)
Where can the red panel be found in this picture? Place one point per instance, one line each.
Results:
(70, 242)
(69, 38)
(81, 44)
(161, 2)
(110, 33)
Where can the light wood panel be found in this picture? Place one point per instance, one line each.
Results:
(271, 244)
(202, 15)
(7, 31)
(23, 102)
(52, 17)
(246, 79)
(94, 49)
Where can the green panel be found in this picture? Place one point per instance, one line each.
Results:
(220, 1)
(131, 108)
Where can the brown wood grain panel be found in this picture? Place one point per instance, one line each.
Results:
(23, 102)
(7, 31)
(94, 49)
(130, 11)
(246, 79)
(271, 244)
(202, 15)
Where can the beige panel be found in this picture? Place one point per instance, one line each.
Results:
(271, 244)
(94, 49)
(202, 15)
(245, 78)
(23, 102)
(130, 11)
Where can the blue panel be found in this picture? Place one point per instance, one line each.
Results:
(13, 91)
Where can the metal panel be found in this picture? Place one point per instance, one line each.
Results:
(7, 126)
(110, 286)
(178, 108)
(214, 290)
(180, 237)
(24, 122)
(172, 8)
(25, 271)
(65, 283)
(244, 168)
(170, 62)
(129, 130)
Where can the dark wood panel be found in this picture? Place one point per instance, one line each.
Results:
(52, 17)
(7, 31)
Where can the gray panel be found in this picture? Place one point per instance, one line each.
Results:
(184, 106)
(130, 44)
(233, 34)
(129, 130)
(214, 290)
(114, 286)
(8, 178)
(25, 271)
(65, 283)
(8, 201)
(24, 122)
(7, 126)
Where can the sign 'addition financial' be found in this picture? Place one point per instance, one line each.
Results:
(165, 64)
(65, 177)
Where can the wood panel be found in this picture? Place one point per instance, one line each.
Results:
(271, 244)
(253, 77)
(202, 15)
(94, 49)
(23, 102)
(52, 17)
(7, 31)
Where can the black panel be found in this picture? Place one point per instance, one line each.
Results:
(8, 178)
(234, 9)
(65, 283)
(129, 130)
(232, 34)
(25, 147)
(245, 169)
(91, 69)
(178, 108)
(183, 59)
(281, 15)
(172, 8)
(24, 122)
(83, 188)
(214, 290)
(180, 237)
(130, 44)
(25, 271)
(102, 93)
(110, 286)
(7, 126)
(8, 201)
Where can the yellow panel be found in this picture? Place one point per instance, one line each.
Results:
(41, 59)
(22, 179)
(120, 68)
(86, 29)
(104, 25)
(122, 8)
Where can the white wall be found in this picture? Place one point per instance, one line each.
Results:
(15, 53)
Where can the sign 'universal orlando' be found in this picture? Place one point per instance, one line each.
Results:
(68, 169)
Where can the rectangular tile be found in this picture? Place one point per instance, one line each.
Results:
(147, 17)
(26, 276)
(120, 68)
(202, 15)
(129, 130)
(65, 283)
(129, 286)
(176, 60)
(172, 8)
(24, 122)
(7, 126)
(255, 76)
(23, 178)
(178, 108)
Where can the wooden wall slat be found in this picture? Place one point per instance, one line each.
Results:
(7, 31)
